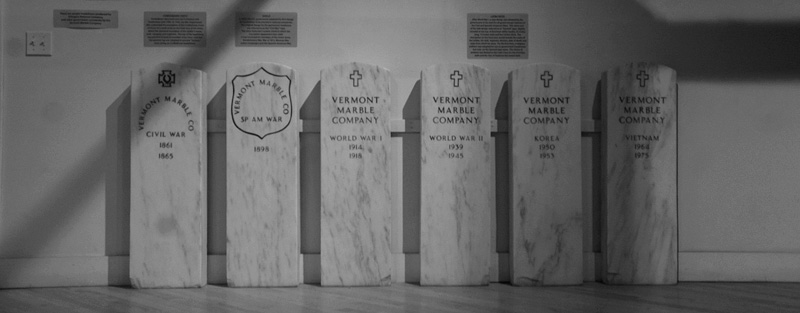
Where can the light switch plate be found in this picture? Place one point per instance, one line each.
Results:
(38, 43)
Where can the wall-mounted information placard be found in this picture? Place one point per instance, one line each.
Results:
(262, 29)
(497, 36)
(175, 29)
(85, 19)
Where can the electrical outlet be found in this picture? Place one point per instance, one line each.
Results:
(39, 43)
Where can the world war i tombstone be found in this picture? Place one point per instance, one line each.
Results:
(356, 186)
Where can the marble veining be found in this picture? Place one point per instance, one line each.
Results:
(545, 168)
(640, 205)
(356, 108)
(262, 176)
(456, 175)
(168, 177)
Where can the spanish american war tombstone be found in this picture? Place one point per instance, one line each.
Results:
(356, 186)
(456, 175)
(545, 168)
(263, 169)
(168, 177)
(640, 199)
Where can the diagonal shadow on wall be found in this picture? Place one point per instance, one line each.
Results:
(219, 36)
(56, 210)
(53, 213)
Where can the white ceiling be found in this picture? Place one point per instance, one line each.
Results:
(712, 11)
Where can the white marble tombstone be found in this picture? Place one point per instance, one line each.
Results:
(456, 175)
(168, 177)
(545, 168)
(639, 241)
(356, 188)
(263, 168)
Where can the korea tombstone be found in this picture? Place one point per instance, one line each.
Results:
(545, 168)
(640, 205)
(356, 205)
(263, 169)
(456, 175)
(168, 177)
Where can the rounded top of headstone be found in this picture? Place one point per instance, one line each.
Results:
(360, 64)
(644, 65)
(435, 67)
(546, 66)
(353, 65)
(266, 65)
(168, 65)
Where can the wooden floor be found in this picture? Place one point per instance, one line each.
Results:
(591, 297)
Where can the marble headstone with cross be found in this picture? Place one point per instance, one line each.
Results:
(168, 177)
(640, 243)
(262, 181)
(545, 167)
(356, 185)
(456, 174)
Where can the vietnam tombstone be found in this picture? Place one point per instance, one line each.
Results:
(545, 172)
(456, 175)
(356, 187)
(640, 205)
(168, 177)
(262, 181)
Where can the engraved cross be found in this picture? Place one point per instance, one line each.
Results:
(356, 77)
(642, 77)
(546, 78)
(456, 77)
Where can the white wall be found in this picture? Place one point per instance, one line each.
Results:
(63, 128)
